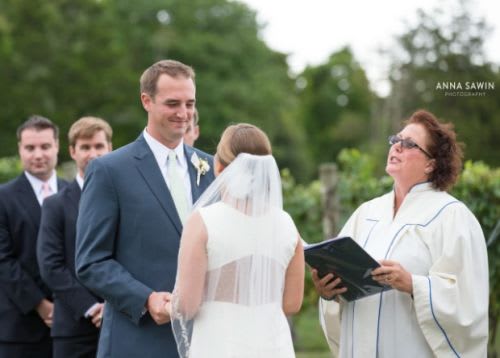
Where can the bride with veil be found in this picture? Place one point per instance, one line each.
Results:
(241, 263)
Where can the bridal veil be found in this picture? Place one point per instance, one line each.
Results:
(246, 271)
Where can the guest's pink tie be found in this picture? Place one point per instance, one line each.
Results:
(46, 190)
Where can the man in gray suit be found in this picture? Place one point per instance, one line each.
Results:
(131, 211)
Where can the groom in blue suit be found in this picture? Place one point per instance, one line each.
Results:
(131, 211)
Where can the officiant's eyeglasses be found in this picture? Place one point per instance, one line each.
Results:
(407, 143)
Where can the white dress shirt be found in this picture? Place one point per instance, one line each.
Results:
(160, 153)
(36, 184)
(79, 180)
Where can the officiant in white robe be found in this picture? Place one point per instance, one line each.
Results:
(433, 256)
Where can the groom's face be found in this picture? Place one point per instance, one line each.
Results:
(171, 109)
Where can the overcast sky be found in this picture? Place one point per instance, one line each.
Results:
(310, 30)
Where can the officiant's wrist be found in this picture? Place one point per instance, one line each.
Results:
(333, 298)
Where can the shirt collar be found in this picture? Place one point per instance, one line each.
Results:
(36, 183)
(419, 187)
(160, 151)
(79, 180)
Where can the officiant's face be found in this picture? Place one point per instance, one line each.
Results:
(409, 166)
(171, 109)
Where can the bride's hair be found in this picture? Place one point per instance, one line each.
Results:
(242, 138)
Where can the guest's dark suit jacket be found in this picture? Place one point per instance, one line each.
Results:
(21, 287)
(128, 234)
(56, 260)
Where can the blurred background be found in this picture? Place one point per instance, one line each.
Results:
(328, 84)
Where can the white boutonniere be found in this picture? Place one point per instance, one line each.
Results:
(201, 166)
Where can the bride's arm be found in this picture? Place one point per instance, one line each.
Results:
(294, 281)
(191, 267)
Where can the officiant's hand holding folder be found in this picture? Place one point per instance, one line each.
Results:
(343, 257)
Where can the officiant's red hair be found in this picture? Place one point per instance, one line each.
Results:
(444, 148)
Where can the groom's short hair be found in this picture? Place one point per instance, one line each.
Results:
(172, 68)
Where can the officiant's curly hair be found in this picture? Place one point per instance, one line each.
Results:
(446, 151)
(242, 138)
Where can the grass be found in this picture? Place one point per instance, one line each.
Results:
(309, 340)
(313, 355)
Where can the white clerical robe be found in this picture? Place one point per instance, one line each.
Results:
(438, 240)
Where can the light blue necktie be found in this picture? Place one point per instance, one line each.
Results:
(177, 188)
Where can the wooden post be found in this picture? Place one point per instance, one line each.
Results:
(330, 202)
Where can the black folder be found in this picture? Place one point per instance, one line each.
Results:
(343, 257)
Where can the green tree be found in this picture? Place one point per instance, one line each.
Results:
(239, 79)
(67, 58)
(336, 104)
(447, 46)
(61, 59)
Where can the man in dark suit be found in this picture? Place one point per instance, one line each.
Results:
(131, 212)
(25, 301)
(77, 311)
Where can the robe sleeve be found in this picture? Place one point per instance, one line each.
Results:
(451, 303)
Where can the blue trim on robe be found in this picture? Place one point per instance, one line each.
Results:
(352, 329)
(437, 322)
(385, 257)
(421, 225)
(370, 232)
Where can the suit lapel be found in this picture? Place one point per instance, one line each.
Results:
(73, 193)
(193, 173)
(61, 184)
(148, 168)
(28, 198)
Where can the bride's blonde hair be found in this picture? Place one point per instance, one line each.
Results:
(242, 138)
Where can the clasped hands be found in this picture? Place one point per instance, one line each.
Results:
(96, 315)
(390, 273)
(158, 306)
(45, 310)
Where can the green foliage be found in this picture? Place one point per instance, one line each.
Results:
(358, 182)
(68, 58)
(335, 101)
(446, 45)
(309, 337)
(10, 167)
(303, 203)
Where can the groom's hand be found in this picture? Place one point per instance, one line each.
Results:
(156, 306)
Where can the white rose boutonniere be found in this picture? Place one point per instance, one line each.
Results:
(201, 166)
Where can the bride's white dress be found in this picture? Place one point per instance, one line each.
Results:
(242, 316)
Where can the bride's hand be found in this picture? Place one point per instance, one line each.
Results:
(168, 308)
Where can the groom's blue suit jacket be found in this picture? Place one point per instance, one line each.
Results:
(128, 234)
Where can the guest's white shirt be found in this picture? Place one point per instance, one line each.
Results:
(36, 184)
(160, 153)
(79, 180)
